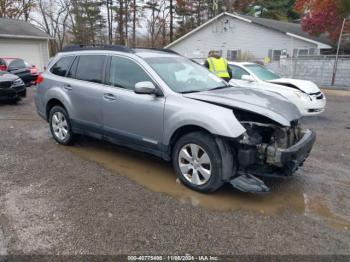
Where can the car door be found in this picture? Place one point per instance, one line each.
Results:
(84, 86)
(135, 120)
(237, 73)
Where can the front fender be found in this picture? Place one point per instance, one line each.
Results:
(181, 111)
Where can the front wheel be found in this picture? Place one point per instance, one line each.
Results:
(197, 161)
(60, 126)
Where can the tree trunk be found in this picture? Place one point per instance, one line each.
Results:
(109, 22)
(171, 21)
(134, 24)
(121, 22)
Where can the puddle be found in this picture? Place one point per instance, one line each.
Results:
(158, 176)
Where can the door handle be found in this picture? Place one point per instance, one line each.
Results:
(109, 97)
(67, 87)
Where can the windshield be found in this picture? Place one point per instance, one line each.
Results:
(262, 72)
(184, 76)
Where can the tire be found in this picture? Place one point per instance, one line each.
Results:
(14, 101)
(60, 126)
(198, 178)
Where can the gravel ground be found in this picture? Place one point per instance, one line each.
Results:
(95, 198)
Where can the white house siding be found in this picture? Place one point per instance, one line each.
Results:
(247, 37)
(34, 51)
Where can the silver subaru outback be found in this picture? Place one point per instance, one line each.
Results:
(161, 103)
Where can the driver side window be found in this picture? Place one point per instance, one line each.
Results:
(125, 73)
(238, 72)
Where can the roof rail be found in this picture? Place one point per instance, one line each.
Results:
(120, 48)
(162, 50)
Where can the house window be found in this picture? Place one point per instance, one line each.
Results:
(233, 55)
(304, 52)
(275, 55)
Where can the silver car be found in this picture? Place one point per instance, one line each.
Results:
(164, 104)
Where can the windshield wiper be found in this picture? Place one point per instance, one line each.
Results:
(220, 87)
(192, 91)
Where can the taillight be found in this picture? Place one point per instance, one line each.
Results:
(3, 68)
(39, 79)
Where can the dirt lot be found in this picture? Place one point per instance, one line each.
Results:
(96, 198)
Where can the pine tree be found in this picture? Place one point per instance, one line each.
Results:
(88, 22)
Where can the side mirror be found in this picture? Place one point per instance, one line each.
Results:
(248, 78)
(145, 88)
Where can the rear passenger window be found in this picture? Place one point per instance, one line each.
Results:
(125, 73)
(62, 66)
(90, 68)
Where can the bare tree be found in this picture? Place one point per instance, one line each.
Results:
(157, 21)
(109, 4)
(171, 7)
(16, 9)
(54, 21)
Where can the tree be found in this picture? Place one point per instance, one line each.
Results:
(87, 21)
(157, 21)
(171, 10)
(16, 9)
(323, 16)
(273, 9)
(109, 4)
(54, 14)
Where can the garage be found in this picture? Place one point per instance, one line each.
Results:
(19, 39)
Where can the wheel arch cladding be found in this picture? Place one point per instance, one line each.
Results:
(50, 104)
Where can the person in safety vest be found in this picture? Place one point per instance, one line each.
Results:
(218, 65)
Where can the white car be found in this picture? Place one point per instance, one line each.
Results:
(304, 94)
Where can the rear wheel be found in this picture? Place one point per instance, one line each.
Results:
(60, 126)
(197, 161)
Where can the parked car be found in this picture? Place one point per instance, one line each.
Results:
(12, 87)
(146, 100)
(304, 94)
(17, 66)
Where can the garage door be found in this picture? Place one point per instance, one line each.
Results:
(27, 51)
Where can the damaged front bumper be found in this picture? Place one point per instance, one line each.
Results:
(270, 160)
(291, 158)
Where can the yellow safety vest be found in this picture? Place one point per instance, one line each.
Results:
(218, 66)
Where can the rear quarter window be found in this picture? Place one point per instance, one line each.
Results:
(62, 66)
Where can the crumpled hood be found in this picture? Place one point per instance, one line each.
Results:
(303, 85)
(265, 103)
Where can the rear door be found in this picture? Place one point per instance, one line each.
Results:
(85, 90)
(132, 119)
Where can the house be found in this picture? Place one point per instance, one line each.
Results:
(242, 37)
(19, 39)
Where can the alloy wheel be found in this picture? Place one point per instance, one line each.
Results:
(59, 126)
(195, 164)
